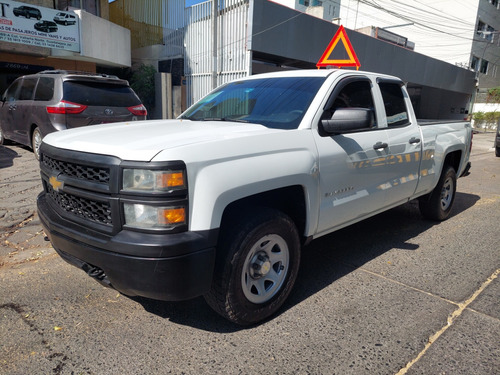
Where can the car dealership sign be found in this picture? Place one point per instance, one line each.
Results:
(38, 26)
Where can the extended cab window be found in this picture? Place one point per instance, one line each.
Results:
(394, 104)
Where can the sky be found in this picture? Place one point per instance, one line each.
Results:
(192, 2)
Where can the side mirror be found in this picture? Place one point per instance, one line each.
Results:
(348, 120)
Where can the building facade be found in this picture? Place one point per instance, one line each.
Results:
(203, 46)
(328, 10)
(465, 33)
(56, 34)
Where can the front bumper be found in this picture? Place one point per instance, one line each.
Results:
(168, 267)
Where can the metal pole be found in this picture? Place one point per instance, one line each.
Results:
(215, 11)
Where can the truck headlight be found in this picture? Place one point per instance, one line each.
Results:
(146, 216)
(153, 180)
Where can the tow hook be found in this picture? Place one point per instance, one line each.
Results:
(96, 273)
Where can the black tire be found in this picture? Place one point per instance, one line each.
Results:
(438, 204)
(257, 265)
(497, 151)
(36, 141)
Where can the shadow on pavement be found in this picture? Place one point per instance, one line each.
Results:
(324, 261)
(7, 157)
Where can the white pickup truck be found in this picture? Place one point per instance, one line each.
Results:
(221, 201)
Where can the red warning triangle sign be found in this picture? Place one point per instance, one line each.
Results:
(325, 60)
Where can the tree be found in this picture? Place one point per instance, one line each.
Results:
(493, 95)
(143, 83)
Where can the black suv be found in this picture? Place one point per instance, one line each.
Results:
(36, 105)
(27, 12)
(46, 26)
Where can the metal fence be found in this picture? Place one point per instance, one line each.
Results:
(232, 56)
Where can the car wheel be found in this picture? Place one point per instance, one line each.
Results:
(258, 261)
(36, 142)
(438, 204)
(497, 151)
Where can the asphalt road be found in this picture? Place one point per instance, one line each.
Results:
(394, 294)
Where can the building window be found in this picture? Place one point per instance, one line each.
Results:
(474, 64)
(484, 67)
(481, 26)
(490, 31)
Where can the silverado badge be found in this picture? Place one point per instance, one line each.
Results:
(55, 183)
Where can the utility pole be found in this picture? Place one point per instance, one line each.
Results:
(215, 11)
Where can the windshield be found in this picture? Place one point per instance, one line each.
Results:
(273, 102)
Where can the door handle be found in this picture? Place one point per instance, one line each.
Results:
(380, 145)
(414, 140)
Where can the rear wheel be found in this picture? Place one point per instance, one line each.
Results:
(438, 204)
(259, 258)
(36, 142)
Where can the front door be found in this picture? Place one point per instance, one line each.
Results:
(353, 166)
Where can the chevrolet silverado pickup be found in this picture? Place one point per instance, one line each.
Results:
(221, 201)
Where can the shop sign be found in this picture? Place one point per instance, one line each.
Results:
(38, 26)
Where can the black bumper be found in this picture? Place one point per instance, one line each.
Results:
(168, 267)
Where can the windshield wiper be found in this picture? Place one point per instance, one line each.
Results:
(216, 119)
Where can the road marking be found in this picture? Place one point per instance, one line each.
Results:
(457, 313)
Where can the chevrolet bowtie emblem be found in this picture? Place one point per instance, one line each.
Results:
(55, 183)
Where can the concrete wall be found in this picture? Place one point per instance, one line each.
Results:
(103, 40)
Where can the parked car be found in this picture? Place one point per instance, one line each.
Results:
(46, 26)
(38, 104)
(65, 18)
(27, 12)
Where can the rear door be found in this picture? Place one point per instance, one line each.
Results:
(102, 102)
(353, 168)
(405, 144)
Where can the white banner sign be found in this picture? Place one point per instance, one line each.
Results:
(38, 26)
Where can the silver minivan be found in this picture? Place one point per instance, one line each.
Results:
(36, 105)
(65, 18)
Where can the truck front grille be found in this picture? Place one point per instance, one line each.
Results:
(84, 208)
(83, 172)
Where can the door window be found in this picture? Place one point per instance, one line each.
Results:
(12, 92)
(394, 104)
(355, 93)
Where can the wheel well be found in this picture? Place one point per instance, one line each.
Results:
(289, 200)
(32, 129)
(453, 159)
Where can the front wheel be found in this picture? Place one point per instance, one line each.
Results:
(437, 205)
(36, 142)
(257, 266)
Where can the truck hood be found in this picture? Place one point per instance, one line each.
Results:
(142, 140)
